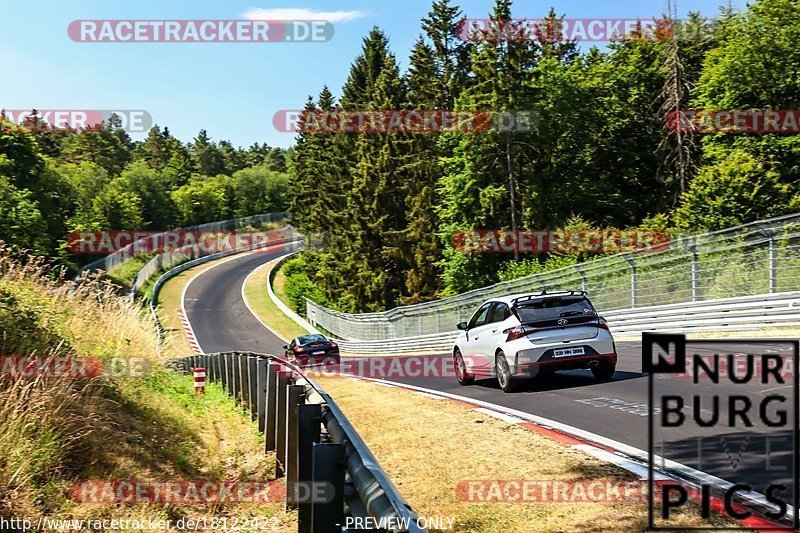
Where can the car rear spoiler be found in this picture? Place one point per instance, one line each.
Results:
(523, 299)
(530, 297)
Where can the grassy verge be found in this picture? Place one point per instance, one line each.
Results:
(279, 286)
(255, 293)
(146, 426)
(124, 274)
(428, 446)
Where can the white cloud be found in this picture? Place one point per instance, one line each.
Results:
(255, 13)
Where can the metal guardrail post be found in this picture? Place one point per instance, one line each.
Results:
(237, 377)
(295, 397)
(280, 423)
(244, 385)
(328, 467)
(309, 419)
(272, 402)
(224, 367)
(229, 372)
(252, 393)
(261, 392)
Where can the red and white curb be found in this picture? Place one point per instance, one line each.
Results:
(187, 328)
(601, 448)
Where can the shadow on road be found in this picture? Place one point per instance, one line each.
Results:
(562, 380)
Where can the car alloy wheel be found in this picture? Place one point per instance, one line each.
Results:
(461, 370)
(504, 379)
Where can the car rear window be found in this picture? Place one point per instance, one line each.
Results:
(551, 308)
(308, 339)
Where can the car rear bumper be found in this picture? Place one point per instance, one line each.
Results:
(331, 357)
(531, 361)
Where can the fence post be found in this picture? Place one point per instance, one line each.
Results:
(237, 377)
(579, 270)
(272, 401)
(295, 397)
(229, 373)
(328, 468)
(244, 385)
(309, 418)
(632, 263)
(541, 282)
(253, 392)
(773, 265)
(280, 423)
(261, 392)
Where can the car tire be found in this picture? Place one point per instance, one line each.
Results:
(504, 378)
(461, 370)
(604, 371)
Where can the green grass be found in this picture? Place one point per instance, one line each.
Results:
(124, 274)
(255, 293)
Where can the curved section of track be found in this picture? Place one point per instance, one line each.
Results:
(615, 409)
(219, 317)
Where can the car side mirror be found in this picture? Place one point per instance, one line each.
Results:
(462, 325)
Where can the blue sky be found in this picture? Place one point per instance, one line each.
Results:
(231, 89)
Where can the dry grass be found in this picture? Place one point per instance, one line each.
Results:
(58, 432)
(427, 446)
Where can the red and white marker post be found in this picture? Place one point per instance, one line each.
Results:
(200, 380)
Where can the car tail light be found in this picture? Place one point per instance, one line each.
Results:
(298, 349)
(517, 332)
(601, 323)
(334, 345)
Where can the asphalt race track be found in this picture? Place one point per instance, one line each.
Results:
(616, 409)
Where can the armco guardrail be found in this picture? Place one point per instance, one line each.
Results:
(750, 260)
(128, 252)
(293, 242)
(314, 443)
(733, 314)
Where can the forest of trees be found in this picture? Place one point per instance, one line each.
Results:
(53, 182)
(385, 206)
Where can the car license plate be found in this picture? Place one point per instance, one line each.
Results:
(568, 352)
(318, 353)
